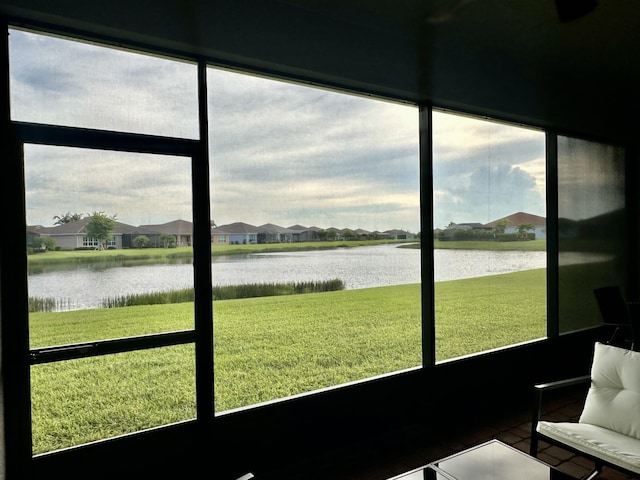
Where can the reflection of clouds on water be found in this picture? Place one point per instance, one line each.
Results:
(358, 267)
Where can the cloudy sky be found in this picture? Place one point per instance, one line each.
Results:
(279, 152)
(484, 171)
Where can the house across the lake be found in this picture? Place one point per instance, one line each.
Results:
(270, 233)
(511, 222)
(182, 230)
(521, 218)
(73, 235)
(240, 233)
(305, 234)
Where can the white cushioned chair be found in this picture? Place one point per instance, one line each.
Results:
(608, 430)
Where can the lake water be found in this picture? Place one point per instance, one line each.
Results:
(360, 267)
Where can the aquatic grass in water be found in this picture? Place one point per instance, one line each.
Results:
(153, 298)
(48, 304)
(252, 290)
(225, 292)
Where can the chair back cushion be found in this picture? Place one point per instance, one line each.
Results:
(613, 400)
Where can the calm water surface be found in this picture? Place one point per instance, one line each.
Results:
(359, 267)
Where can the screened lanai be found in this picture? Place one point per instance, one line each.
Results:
(358, 117)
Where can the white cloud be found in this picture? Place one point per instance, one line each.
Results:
(140, 189)
(65, 82)
(485, 170)
(288, 154)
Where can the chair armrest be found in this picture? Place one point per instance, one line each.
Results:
(537, 402)
(568, 382)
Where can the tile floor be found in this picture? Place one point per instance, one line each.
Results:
(413, 450)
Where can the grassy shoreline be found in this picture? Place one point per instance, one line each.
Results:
(538, 245)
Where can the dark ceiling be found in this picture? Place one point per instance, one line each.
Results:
(512, 60)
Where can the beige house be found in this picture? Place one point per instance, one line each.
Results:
(238, 233)
(182, 230)
(522, 218)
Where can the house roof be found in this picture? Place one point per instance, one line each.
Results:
(175, 227)
(143, 231)
(271, 228)
(521, 218)
(75, 228)
(235, 228)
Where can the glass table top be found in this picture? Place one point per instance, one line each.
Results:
(492, 460)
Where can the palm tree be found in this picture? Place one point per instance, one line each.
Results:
(67, 218)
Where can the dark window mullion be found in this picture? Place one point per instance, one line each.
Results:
(14, 315)
(553, 297)
(106, 347)
(203, 305)
(103, 139)
(426, 239)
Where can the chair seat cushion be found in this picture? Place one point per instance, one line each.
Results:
(610, 446)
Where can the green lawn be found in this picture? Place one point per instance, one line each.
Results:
(482, 313)
(538, 245)
(266, 348)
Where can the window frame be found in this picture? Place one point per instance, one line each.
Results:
(550, 160)
(19, 454)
